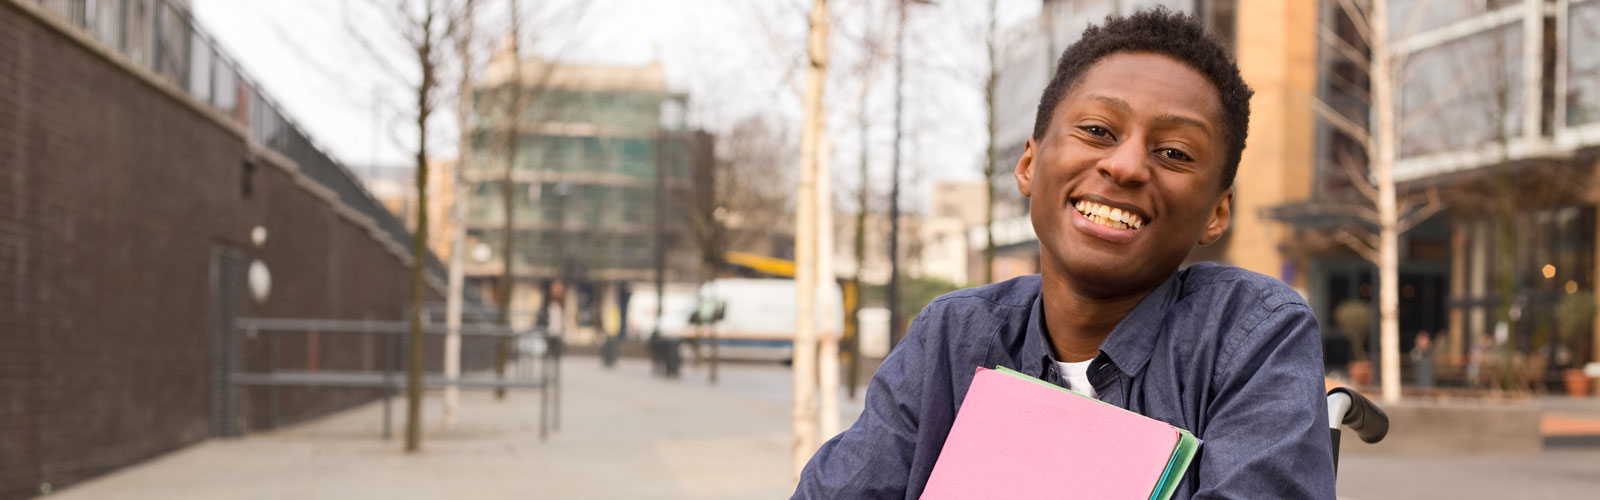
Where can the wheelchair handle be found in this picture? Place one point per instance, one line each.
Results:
(1350, 408)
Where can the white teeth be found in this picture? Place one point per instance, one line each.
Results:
(1107, 216)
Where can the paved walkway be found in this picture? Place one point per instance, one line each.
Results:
(624, 434)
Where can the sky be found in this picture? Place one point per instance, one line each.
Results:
(735, 58)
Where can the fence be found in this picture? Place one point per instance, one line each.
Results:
(534, 363)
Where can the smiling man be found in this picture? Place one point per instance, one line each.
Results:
(1131, 164)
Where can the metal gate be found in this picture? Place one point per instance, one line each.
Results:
(227, 302)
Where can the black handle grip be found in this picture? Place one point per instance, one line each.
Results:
(1366, 418)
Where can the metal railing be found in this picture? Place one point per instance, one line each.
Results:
(162, 36)
(534, 363)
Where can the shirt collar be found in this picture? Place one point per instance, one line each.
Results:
(1128, 346)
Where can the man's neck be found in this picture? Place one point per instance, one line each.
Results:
(1077, 322)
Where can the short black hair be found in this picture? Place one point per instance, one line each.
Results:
(1157, 31)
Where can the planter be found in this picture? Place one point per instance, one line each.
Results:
(1360, 373)
(1576, 381)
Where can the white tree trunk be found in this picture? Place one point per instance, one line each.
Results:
(828, 354)
(805, 336)
(1383, 81)
(458, 217)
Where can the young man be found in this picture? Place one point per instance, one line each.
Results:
(1131, 164)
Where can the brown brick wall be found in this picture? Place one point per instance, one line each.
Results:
(113, 199)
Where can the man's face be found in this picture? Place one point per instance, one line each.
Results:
(1128, 177)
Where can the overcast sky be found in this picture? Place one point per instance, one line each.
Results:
(735, 59)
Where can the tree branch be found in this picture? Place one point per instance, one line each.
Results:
(371, 49)
(1344, 48)
(1345, 125)
(1364, 186)
(1438, 99)
(1433, 206)
(1358, 18)
(1362, 246)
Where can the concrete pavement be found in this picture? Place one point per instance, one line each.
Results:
(625, 434)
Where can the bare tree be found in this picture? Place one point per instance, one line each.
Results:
(424, 27)
(805, 339)
(510, 137)
(452, 345)
(1384, 68)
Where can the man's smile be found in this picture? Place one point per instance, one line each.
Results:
(1109, 220)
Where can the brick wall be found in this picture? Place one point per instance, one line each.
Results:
(114, 197)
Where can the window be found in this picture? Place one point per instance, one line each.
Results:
(1462, 94)
(1583, 64)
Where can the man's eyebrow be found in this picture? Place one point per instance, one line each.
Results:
(1120, 105)
(1183, 121)
(1168, 119)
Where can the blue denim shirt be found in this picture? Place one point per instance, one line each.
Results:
(1233, 356)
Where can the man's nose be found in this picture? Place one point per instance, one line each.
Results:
(1125, 165)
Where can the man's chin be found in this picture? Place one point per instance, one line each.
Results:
(1109, 274)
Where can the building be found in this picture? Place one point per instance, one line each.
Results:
(139, 160)
(602, 167)
(1500, 123)
(1499, 112)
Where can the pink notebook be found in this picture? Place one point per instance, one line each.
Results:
(1018, 437)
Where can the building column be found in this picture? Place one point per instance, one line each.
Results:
(1277, 55)
(1458, 291)
(1594, 344)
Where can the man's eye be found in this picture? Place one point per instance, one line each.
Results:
(1173, 154)
(1096, 130)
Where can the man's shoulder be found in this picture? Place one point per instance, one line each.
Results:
(1019, 292)
(1208, 282)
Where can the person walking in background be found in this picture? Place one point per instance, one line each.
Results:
(1475, 360)
(1422, 359)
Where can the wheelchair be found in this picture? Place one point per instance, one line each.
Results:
(1349, 408)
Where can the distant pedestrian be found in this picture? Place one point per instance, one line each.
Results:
(1475, 360)
(1422, 359)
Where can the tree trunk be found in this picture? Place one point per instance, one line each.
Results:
(805, 341)
(860, 247)
(419, 244)
(1383, 80)
(458, 216)
(828, 353)
(508, 149)
(993, 155)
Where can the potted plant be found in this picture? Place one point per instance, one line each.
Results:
(1574, 321)
(1354, 318)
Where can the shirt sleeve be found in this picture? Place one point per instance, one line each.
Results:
(1268, 432)
(873, 458)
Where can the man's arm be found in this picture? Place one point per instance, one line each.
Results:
(1268, 430)
(872, 459)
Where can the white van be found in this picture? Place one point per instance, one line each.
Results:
(681, 300)
(757, 320)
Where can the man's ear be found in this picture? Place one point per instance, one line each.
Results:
(1024, 169)
(1221, 217)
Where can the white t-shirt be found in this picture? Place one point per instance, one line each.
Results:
(1077, 375)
